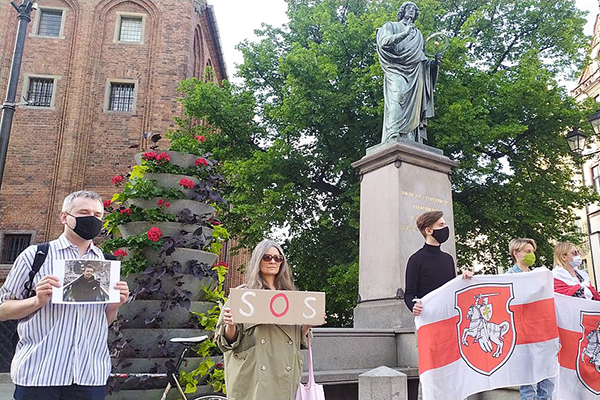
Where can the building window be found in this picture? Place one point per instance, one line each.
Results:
(596, 177)
(12, 246)
(50, 22)
(121, 96)
(40, 91)
(130, 29)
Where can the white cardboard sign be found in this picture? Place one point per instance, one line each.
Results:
(285, 307)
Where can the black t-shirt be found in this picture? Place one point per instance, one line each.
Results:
(426, 270)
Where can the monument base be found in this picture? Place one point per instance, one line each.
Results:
(383, 314)
(399, 181)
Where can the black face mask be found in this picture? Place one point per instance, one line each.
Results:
(87, 227)
(441, 235)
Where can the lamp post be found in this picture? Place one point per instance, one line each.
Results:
(577, 141)
(8, 108)
(595, 122)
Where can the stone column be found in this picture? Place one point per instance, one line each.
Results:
(399, 181)
(382, 383)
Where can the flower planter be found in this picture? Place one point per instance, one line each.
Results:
(176, 206)
(176, 158)
(181, 255)
(171, 181)
(167, 228)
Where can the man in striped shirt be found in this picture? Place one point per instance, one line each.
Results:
(62, 352)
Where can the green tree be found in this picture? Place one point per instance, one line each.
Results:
(311, 103)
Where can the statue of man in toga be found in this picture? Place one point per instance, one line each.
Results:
(409, 77)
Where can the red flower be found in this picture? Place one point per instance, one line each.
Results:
(149, 155)
(163, 157)
(219, 365)
(201, 161)
(117, 179)
(201, 139)
(215, 222)
(168, 204)
(186, 183)
(119, 253)
(154, 234)
(107, 203)
(160, 202)
(126, 211)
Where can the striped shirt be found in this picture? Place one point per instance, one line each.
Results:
(60, 344)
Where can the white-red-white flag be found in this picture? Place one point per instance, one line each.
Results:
(488, 332)
(579, 356)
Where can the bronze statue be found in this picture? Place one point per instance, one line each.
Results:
(409, 77)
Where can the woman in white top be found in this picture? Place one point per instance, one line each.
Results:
(569, 280)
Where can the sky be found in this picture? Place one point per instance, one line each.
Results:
(237, 20)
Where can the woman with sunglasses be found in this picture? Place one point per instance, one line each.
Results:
(262, 361)
(569, 280)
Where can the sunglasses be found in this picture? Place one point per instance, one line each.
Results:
(268, 257)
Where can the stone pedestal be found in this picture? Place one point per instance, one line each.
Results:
(382, 383)
(399, 181)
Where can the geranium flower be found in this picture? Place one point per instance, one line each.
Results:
(163, 157)
(168, 204)
(201, 139)
(160, 202)
(149, 155)
(117, 179)
(126, 211)
(186, 183)
(201, 161)
(107, 203)
(154, 234)
(119, 253)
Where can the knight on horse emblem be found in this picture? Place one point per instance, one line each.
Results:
(486, 319)
(592, 349)
(480, 327)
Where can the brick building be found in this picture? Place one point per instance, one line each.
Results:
(98, 74)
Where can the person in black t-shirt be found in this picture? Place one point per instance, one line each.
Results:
(429, 267)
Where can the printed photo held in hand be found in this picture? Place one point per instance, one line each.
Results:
(86, 281)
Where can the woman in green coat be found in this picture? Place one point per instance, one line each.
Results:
(262, 361)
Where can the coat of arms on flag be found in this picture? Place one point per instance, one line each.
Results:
(486, 327)
(588, 356)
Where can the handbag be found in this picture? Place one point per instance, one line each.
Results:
(312, 390)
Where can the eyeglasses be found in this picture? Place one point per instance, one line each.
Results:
(268, 257)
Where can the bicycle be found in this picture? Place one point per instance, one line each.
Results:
(173, 373)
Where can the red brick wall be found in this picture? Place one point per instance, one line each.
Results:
(78, 145)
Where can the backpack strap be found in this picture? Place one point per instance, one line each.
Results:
(38, 261)
(108, 256)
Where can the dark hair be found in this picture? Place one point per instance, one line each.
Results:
(426, 220)
(403, 8)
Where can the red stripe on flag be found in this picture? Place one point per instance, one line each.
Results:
(569, 347)
(535, 322)
(438, 341)
(437, 344)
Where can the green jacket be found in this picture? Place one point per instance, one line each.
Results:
(264, 362)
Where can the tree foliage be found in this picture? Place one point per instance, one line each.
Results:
(311, 102)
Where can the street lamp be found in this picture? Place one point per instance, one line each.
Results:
(8, 108)
(595, 122)
(577, 140)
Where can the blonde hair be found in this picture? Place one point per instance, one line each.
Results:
(255, 280)
(518, 244)
(561, 249)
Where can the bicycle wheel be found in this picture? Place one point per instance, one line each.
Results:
(212, 397)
